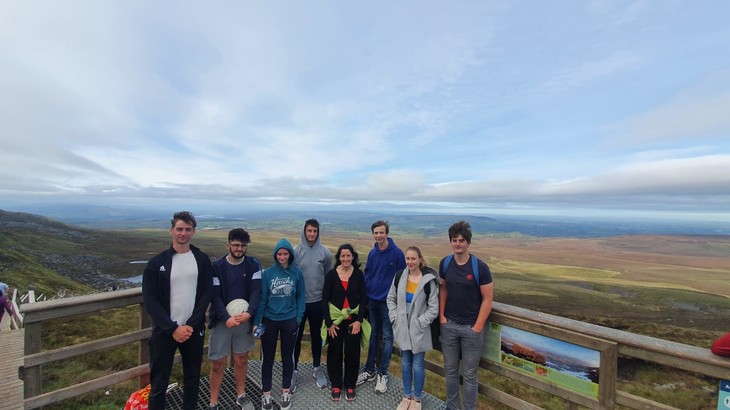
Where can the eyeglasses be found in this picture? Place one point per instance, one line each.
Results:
(238, 245)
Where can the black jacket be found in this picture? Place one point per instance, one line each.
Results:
(156, 290)
(334, 293)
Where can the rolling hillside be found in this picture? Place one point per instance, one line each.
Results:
(661, 285)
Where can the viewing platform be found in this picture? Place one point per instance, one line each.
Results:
(600, 389)
(307, 395)
(11, 387)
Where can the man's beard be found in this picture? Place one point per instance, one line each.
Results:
(234, 255)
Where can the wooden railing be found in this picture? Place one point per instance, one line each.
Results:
(609, 342)
(35, 314)
(16, 319)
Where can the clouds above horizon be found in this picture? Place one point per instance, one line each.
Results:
(613, 105)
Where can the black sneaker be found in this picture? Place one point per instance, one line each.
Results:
(267, 403)
(365, 376)
(285, 400)
(350, 394)
(336, 393)
(244, 403)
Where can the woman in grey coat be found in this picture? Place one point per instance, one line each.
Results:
(412, 306)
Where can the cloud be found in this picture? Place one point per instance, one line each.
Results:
(344, 103)
(680, 119)
(703, 175)
(585, 72)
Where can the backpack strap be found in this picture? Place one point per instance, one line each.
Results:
(474, 266)
(447, 261)
(396, 280)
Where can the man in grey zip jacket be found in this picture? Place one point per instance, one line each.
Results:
(314, 260)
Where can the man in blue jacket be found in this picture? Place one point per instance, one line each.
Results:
(177, 286)
(235, 276)
(384, 260)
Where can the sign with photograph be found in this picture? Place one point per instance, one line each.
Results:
(565, 364)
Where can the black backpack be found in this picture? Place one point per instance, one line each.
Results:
(435, 324)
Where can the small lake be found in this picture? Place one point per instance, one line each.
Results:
(138, 278)
(134, 279)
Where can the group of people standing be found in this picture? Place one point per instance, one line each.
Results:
(395, 298)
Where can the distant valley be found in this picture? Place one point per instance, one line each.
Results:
(663, 285)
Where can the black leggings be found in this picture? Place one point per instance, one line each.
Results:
(287, 329)
(345, 347)
(313, 314)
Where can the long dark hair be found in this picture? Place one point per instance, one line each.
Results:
(355, 260)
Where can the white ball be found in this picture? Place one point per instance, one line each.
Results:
(236, 307)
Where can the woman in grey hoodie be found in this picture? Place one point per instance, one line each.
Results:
(412, 306)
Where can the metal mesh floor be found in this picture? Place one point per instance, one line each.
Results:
(307, 395)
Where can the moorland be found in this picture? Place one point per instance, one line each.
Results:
(671, 286)
(660, 285)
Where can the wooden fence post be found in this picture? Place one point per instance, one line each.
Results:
(32, 383)
(144, 350)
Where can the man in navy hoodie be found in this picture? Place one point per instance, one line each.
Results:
(236, 276)
(177, 286)
(384, 260)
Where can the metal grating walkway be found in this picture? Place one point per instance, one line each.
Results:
(307, 395)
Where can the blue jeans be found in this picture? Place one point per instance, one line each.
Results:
(380, 325)
(413, 372)
(460, 339)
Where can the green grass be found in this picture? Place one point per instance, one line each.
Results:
(658, 308)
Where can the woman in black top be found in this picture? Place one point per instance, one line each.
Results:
(344, 287)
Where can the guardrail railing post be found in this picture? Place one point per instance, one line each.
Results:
(144, 350)
(32, 376)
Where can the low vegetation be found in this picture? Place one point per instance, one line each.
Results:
(669, 287)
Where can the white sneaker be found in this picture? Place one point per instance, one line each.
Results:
(381, 386)
(320, 377)
(365, 376)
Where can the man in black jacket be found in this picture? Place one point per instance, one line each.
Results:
(177, 286)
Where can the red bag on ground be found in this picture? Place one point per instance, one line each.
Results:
(138, 399)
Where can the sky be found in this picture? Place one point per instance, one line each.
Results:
(565, 107)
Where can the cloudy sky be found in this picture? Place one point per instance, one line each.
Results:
(520, 106)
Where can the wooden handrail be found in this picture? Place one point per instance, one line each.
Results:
(38, 359)
(610, 342)
(36, 313)
(682, 356)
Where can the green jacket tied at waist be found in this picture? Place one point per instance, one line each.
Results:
(338, 315)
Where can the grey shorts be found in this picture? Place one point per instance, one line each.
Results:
(223, 339)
